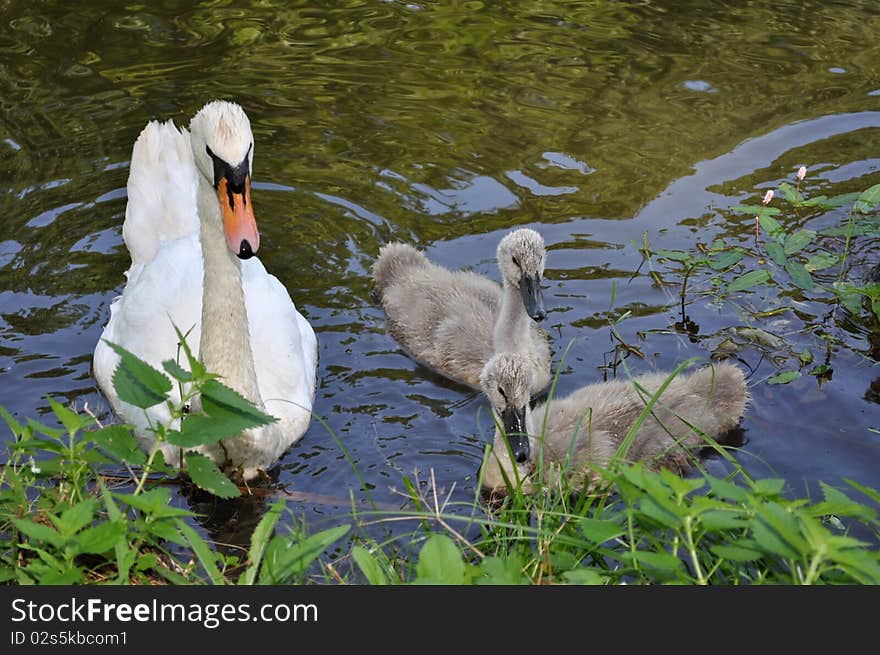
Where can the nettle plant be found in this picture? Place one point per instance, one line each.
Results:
(789, 257)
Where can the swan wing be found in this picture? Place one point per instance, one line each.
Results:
(284, 347)
(162, 185)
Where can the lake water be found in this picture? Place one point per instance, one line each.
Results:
(596, 123)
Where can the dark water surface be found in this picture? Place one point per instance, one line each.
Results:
(445, 126)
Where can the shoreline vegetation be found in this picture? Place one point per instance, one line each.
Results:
(83, 504)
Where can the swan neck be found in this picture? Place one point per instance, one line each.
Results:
(512, 327)
(225, 346)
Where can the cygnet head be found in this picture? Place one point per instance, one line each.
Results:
(521, 255)
(223, 148)
(506, 380)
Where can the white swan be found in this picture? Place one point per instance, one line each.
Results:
(190, 229)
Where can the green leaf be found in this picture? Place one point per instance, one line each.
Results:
(100, 538)
(38, 531)
(583, 576)
(440, 562)
(259, 540)
(176, 371)
(784, 378)
(728, 490)
(726, 259)
(799, 275)
(136, 382)
(369, 566)
(868, 200)
(777, 531)
(226, 414)
(805, 357)
(599, 531)
(774, 250)
(772, 227)
(821, 261)
(285, 557)
(768, 486)
(207, 476)
(75, 518)
(207, 557)
(14, 425)
(501, 571)
(72, 421)
(798, 241)
(736, 553)
(675, 255)
(717, 519)
(118, 441)
(787, 191)
(155, 503)
(656, 561)
(755, 210)
(749, 280)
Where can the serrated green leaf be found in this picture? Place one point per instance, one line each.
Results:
(369, 566)
(14, 425)
(768, 486)
(285, 557)
(726, 259)
(75, 518)
(736, 553)
(38, 531)
(72, 421)
(799, 275)
(728, 490)
(155, 503)
(259, 541)
(440, 562)
(749, 280)
(821, 261)
(176, 371)
(136, 382)
(772, 227)
(867, 200)
(717, 519)
(599, 531)
(119, 442)
(100, 538)
(784, 378)
(657, 561)
(207, 476)
(798, 241)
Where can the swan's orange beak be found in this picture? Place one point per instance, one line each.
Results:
(238, 219)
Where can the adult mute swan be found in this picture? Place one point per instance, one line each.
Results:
(453, 321)
(191, 232)
(587, 427)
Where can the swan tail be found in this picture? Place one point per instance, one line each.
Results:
(394, 259)
(161, 190)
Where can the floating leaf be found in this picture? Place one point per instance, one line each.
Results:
(784, 378)
(821, 261)
(675, 255)
(749, 280)
(118, 441)
(867, 200)
(798, 241)
(806, 356)
(799, 275)
(787, 191)
(775, 251)
(755, 210)
(771, 227)
(727, 259)
(136, 382)
(207, 476)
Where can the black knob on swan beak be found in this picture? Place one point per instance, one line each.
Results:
(244, 250)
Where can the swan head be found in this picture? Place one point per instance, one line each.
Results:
(506, 380)
(521, 256)
(223, 149)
